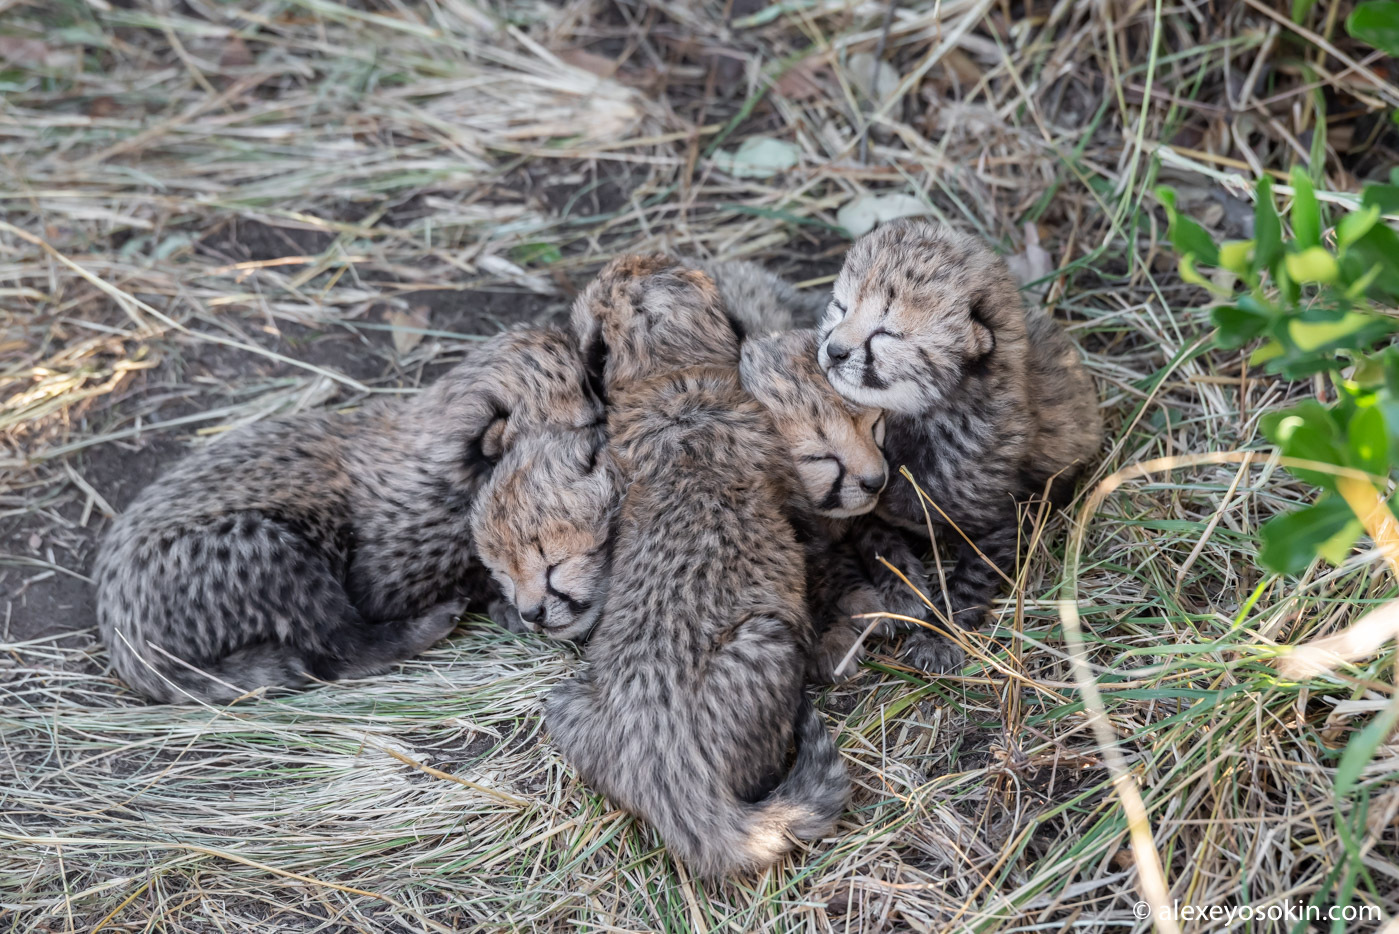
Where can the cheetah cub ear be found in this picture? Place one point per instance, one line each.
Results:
(542, 526)
(493, 439)
(982, 338)
(645, 315)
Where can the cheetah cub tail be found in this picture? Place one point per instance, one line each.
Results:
(806, 805)
(810, 799)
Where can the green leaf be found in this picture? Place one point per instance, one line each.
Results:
(1356, 225)
(1300, 9)
(1267, 227)
(1312, 335)
(1234, 256)
(1379, 247)
(1190, 274)
(1278, 427)
(1307, 431)
(1338, 547)
(1269, 351)
(1384, 197)
(1291, 541)
(1367, 436)
(1314, 264)
(1369, 373)
(1361, 284)
(1376, 23)
(1288, 289)
(1256, 306)
(1236, 326)
(1361, 749)
(1188, 237)
(1306, 213)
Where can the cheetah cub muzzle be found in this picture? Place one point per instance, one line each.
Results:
(987, 399)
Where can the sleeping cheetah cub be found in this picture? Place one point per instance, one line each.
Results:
(987, 399)
(692, 692)
(324, 545)
(836, 446)
(542, 527)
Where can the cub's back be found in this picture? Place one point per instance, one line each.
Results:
(704, 530)
(290, 468)
(1064, 403)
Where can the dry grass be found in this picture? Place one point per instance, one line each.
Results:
(212, 216)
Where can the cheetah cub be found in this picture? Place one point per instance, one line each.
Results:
(987, 400)
(836, 447)
(692, 692)
(324, 545)
(542, 527)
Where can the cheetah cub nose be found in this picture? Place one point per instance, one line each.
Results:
(836, 352)
(873, 484)
(533, 615)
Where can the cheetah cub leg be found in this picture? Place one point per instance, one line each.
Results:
(971, 585)
(839, 593)
(374, 648)
(842, 637)
(903, 594)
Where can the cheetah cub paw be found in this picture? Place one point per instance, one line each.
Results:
(932, 652)
(431, 628)
(503, 613)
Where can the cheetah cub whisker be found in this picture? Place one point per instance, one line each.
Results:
(987, 399)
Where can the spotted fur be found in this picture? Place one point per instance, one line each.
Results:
(761, 302)
(836, 446)
(542, 525)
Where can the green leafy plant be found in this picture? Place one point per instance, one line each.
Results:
(1319, 300)
(1376, 23)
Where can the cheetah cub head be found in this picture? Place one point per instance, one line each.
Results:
(918, 312)
(836, 444)
(645, 315)
(542, 527)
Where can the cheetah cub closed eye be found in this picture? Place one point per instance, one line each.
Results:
(542, 526)
(324, 545)
(988, 401)
(692, 691)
